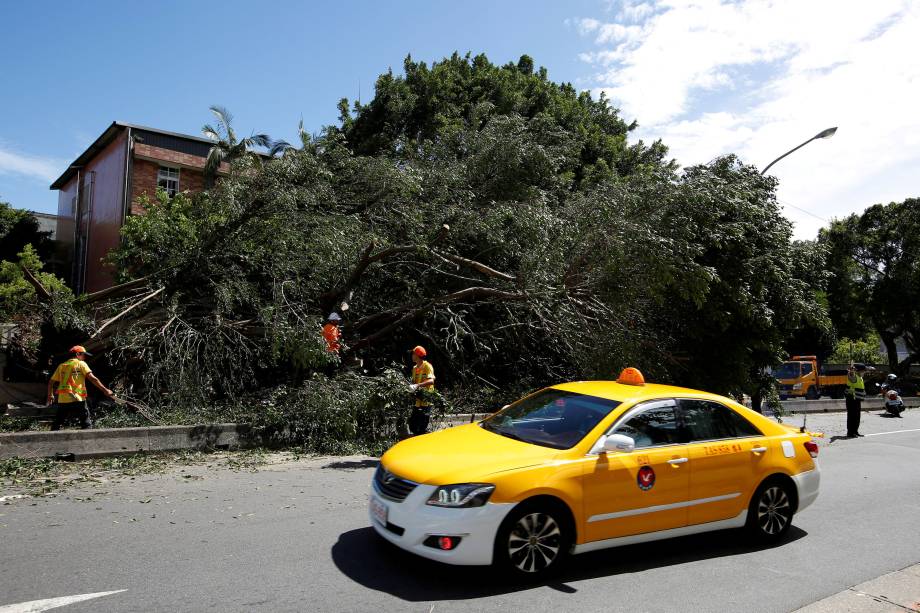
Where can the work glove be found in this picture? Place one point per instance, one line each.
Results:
(413, 387)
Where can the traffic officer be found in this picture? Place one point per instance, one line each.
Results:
(422, 376)
(855, 392)
(68, 384)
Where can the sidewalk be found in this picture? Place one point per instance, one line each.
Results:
(895, 592)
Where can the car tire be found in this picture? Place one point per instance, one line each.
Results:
(770, 512)
(812, 394)
(533, 541)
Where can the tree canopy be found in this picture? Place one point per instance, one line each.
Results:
(439, 107)
(19, 228)
(874, 261)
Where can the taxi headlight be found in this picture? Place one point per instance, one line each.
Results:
(461, 495)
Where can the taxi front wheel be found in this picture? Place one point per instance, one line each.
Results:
(533, 541)
(770, 513)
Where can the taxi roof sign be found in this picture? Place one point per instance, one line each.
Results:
(631, 376)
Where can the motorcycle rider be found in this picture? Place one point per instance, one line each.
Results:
(894, 406)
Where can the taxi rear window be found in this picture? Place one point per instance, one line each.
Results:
(551, 418)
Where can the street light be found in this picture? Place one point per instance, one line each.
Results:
(822, 134)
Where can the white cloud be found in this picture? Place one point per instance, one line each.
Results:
(587, 25)
(42, 168)
(633, 12)
(758, 78)
(614, 32)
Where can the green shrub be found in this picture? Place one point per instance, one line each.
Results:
(346, 414)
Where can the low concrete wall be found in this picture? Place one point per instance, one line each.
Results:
(834, 406)
(119, 441)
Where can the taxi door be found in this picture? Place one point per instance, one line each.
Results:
(728, 456)
(643, 490)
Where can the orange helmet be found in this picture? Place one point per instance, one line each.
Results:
(79, 349)
(419, 351)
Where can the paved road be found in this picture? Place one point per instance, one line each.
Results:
(294, 537)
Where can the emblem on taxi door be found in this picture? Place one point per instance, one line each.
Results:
(645, 478)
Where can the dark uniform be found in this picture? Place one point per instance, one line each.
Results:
(855, 392)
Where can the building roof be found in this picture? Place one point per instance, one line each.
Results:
(108, 136)
(47, 222)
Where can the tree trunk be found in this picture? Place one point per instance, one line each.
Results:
(891, 348)
(757, 400)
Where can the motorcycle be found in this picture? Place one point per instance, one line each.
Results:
(894, 406)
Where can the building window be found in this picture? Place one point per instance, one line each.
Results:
(168, 180)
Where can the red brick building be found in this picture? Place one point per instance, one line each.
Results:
(99, 190)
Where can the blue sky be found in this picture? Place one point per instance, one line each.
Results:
(67, 72)
(709, 77)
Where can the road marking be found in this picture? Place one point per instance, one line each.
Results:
(34, 606)
(875, 434)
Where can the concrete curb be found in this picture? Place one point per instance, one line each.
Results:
(123, 441)
(119, 441)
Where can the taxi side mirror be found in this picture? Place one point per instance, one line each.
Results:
(619, 442)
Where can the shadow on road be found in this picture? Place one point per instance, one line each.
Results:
(352, 464)
(367, 559)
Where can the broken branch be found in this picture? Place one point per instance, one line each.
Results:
(43, 293)
(126, 311)
(470, 292)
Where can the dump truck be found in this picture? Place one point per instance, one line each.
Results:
(803, 377)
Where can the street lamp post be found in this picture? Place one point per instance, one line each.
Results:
(822, 134)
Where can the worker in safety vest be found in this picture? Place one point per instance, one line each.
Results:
(855, 392)
(68, 387)
(422, 377)
(332, 333)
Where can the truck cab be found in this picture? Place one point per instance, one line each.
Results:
(803, 377)
(798, 378)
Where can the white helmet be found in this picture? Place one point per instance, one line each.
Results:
(333, 316)
(892, 376)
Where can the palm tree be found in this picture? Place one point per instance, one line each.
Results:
(226, 147)
(281, 147)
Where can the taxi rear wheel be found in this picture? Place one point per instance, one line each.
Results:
(533, 541)
(771, 511)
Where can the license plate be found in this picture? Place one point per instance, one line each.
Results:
(379, 510)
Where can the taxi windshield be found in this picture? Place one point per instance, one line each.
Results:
(788, 370)
(551, 418)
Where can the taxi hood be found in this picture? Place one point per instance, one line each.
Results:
(464, 454)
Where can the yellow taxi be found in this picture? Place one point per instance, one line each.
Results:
(587, 465)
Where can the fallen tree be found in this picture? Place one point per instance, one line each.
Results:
(522, 243)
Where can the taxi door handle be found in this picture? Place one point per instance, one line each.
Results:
(678, 460)
(758, 449)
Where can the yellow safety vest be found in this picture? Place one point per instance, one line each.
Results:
(856, 389)
(71, 382)
(420, 373)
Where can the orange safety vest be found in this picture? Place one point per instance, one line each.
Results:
(71, 381)
(332, 334)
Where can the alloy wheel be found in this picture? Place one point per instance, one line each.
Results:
(534, 542)
(774, 510)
